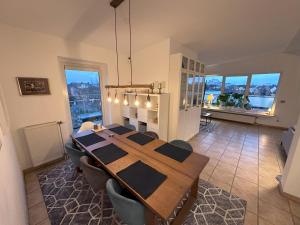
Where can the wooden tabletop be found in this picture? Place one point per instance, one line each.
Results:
(167, 196)
(191, 166)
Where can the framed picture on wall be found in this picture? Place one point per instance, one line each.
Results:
(33, 86)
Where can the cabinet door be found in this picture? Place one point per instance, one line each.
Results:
(183, 91)
(190, 90)
(201, 90)
(196, 90)
(182, 125)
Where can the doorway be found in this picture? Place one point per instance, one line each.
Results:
(84, 91)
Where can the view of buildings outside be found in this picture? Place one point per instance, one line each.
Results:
(262, 90)
(84, 96)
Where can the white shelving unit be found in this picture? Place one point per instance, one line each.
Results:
(186, 86)
(154, 118)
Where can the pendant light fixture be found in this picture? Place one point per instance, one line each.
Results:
(115, 4)
(116, 101)
(148, 102)
(108, 96)
(125, 101)
(136, 101)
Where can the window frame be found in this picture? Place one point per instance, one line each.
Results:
(248, 84)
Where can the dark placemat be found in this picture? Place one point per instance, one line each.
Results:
(141, 139)
(90, 139)
(120, 130)
(109, 153)
(174, 152)
(142, 178)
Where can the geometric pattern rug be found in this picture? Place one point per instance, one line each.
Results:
(70, 200)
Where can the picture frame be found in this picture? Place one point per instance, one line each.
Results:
(33, 86)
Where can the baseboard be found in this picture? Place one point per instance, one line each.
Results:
(289, 196)
(42, 166)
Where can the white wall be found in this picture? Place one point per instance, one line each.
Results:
(291, 174)
(289, 67)
(13, 209)
(152, 63)
(26, 53)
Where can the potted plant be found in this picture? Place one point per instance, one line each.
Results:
(223, 99)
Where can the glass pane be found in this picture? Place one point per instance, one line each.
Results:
(200, 96)
(190, 90)
(184, 62)
(235, 84)
(197, 67)
(213, 85)
(263, 88)
(84, 96)
(192, 65)
(183, 86)
(196, 89)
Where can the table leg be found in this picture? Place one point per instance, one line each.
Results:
(194, 189)
(149, 217)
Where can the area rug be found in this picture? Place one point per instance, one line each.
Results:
(70, 200)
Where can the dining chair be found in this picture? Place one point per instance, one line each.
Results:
(182, 144)
(74, 153)
(88, 125)
(129, 210)
(152, 134)
(131, 127)
(95, 176)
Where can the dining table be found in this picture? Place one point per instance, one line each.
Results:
(180, 178)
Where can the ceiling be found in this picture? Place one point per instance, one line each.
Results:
(218, 30)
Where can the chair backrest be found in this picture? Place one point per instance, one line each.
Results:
(95, 176)
(152, 134)
(74, 153)
(182, 144)
(88, 125)
(130, 211)
(131, 127)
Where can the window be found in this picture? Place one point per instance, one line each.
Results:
(84, 96)
(259, 94)
(235, 84)
(263, 89)
(213, 85)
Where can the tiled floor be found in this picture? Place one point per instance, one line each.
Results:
(244, 160)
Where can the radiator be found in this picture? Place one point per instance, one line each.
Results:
(44, 142)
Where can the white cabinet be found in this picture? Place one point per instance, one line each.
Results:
(186, 78)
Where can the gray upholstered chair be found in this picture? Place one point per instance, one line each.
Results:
(74, 153)
(152, 134)
(182, 144)
(131, 127)
(129, 210)
(95, 176)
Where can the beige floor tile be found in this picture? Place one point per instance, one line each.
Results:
(274, 215)
(229, 160)
(295, 208)
(214, 154)
(245, 186)
(296, 220)
(248, 175)
(226, 167)
(34, 197)
(264, 222)
(45, 222)
(249, 160)
(204, 176)
(251, 199)
(235, 155)
(250, 218)
(221, 175)
(37, 213)
(273, 197)
(247, 166)
(220, 183)
(208, 170)
(267, 181)
(250, 154)
(32, 184)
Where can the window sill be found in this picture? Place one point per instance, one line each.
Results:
(232, 110)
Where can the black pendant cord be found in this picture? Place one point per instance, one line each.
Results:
(130, 59)
(117, 52)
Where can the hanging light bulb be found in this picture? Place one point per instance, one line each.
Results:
(108, 96)
(136, 101)
(116, 101)
(148, 102)
(125, 101)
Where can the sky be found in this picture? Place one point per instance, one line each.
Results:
(256, 79)
(75, 76)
